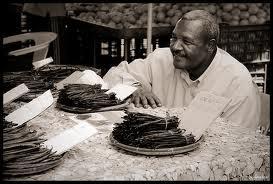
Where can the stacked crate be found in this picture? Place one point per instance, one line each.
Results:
(251, 46)
(134, 15)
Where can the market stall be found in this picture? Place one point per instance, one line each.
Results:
(93, 38)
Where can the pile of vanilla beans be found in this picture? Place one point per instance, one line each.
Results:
(23, 153)
(37, 81)
(152, 132)
(84, 96)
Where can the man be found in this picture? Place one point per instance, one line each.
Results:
(173, 76)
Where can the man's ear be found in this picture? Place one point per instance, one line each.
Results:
(211, 45)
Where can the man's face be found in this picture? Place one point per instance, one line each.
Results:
(188, 45)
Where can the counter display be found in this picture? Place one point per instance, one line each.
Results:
(228, 152)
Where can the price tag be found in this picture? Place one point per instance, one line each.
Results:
(202, 111)
(91, 78)
(122, 91)
(90, 117)
(15, 93)
(39, 64)
(31, 109)
(69, 80)
(70, 137)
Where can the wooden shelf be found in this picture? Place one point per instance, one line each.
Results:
(142, 32)
(124, 33)
(229, 42)
(260, 82)
(257, 61)
(263, 72)
(257, 72)
(97, 30)
(265, 26)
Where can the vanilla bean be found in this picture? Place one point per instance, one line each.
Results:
(37, 168)
(21, 150)
(8, 158)
(23, 145)
(38, 154)
(147, 131)
(18, 136)
(15, 129)
(90, 97)
(37, 160)
(32, 140)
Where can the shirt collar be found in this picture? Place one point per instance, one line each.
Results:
(211, 67)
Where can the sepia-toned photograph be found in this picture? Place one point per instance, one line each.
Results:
(96, 91)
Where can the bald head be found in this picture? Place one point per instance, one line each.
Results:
(210, 25)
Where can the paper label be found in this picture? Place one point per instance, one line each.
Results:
(91, 117)
(39, 64)
(15, 93)
(94, 123)
(91, 78)
(69, 80)
(70, 137)
(122, 91)
(31, 109)
(202, 111)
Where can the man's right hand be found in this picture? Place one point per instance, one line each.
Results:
(146, 98)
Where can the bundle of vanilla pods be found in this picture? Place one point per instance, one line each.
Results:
(148, 131)
(23, 153)
(84, 96)
(37, 81)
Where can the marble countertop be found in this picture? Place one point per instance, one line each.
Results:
(229, 152)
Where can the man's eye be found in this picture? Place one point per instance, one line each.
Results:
(187, 42)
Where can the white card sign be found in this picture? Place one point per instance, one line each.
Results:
(31, 109)
(69, 80)
(15, 93)
(122, 91)
(91, 78)
(70, 137)
(91, 117)
(202, 111)
(39, 64)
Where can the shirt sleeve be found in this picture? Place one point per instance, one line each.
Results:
(138, 71)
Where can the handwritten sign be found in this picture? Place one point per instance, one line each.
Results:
(91, 117)
(91, 78)
(70, 137)
(202, 111)
(15, 93)
(122, 91)
(39, 64)
(31, 109)
(85, 77)
(69, 80)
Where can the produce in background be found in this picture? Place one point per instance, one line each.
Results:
(134, 15)
(244, 13)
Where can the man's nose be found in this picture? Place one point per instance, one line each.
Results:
(177, 46)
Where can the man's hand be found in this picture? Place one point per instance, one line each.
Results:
(146, 98)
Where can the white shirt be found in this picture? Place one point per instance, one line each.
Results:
(225, 77)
